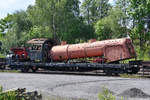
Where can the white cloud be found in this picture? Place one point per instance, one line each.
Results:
(10, 6)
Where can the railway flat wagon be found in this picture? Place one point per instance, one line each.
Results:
(74, 57)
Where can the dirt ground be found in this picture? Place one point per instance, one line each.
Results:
(77, 86)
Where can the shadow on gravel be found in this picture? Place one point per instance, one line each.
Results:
(73, 73)
(134, 93)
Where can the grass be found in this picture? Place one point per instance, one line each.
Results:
(10, 95)
(1, 89)
(130, 76)
(10, 71)
(106, 95)
(2, 56)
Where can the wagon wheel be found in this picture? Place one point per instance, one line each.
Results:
(25, 69)
(108, 72)
(34, 69)
(134, 70)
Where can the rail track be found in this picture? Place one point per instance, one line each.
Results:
(89, 73)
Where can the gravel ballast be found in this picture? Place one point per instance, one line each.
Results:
(77, 86)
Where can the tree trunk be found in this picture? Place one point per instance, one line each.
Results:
(88, 16)
(55, 37)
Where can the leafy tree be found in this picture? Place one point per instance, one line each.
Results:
(61, 16)
(19, 27)
(38, 32)
(5, 24)
(0, 45)
(93, 10)
(123, 5)
(110, 26)
(9, 41)
(21, 23)
(140, 13)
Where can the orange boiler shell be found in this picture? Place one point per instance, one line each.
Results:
(112, 50)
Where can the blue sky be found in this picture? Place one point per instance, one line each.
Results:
(10, 6)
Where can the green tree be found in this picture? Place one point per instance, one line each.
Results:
(38, 32)
(5, 24)
(140, 13)
(20, 23)
(126, 19)
(19, 26)
(9, 41)
(62, 16)
(93, 10)
(110, 26)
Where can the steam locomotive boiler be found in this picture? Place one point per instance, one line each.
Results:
(111, 50)
(57, 57)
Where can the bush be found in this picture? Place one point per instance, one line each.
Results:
(10, 95)
(19, 94)
(106, 95)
